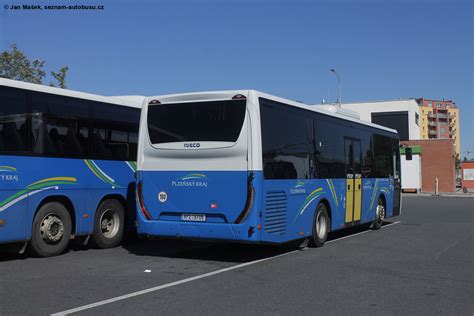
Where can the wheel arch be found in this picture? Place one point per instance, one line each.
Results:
(64, 200)
(118, 197)
(329, 209)
(384, 199)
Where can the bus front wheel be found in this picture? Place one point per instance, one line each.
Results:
(320, 226)
(108, 224)
(51, 230)
(379, 214)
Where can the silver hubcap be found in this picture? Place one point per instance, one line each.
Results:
(52, 228)
(380, 212)
(109, 223)
(321, 226)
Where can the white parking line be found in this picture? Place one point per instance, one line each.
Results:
(202, 276)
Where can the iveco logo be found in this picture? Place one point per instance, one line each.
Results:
(192, 145)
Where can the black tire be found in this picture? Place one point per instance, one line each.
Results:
(379, 214)
(51, 230)
(108, 224)
(321, 226)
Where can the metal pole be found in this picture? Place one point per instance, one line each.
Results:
(338, 86)
(436, 186)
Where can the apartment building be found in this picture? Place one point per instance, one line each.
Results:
(439, 119)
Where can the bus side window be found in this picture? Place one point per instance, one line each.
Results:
(285, 145)
(114, 139)
(1, 138)
(43, 142)
(13, 136)
(56, 122)
(329, 147)
(383, 156)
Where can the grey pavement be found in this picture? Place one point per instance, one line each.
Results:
(422, 265)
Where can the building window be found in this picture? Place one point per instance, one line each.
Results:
(417, 119)
(438, 105)
(430, 104)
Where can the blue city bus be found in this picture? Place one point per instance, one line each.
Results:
(67, 166)
(250, 167)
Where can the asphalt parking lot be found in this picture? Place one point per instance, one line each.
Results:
(419, 263)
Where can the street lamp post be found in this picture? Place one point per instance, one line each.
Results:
(338, 85)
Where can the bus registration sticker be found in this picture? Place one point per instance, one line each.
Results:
(193, 217)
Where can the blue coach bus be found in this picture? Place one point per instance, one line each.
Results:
(250, 167)
(67, 164)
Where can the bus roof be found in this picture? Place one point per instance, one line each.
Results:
(222, 95)
(135, 102)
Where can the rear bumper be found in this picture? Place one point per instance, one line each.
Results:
(195, 230)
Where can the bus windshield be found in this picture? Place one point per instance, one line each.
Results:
(216, 121)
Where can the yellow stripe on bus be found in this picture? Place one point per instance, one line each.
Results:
(55, 179)
(349, 199)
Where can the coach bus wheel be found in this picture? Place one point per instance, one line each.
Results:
(51, 230)
(379, 214)
(108, 224)
(320, 226)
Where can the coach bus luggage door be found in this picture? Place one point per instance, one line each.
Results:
(353, 181)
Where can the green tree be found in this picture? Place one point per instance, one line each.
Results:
(60, 76)
(14, 64)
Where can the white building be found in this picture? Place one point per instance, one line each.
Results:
(402, 115)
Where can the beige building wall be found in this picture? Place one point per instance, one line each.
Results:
(429, 128)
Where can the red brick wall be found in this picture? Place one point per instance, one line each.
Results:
(437, 160)
(467, 183)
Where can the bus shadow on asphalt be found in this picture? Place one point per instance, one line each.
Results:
(204, 250)
(194, 249)
(223, 251)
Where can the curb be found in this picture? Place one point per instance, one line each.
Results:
(463, 195)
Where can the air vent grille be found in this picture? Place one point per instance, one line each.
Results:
(276, 204)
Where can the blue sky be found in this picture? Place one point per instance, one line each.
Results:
(382, 49)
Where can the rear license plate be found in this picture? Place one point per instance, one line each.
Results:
(193, 217)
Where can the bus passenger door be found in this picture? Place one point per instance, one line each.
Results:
(397, 184)
(353, 181)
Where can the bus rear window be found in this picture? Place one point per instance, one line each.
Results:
(215, 121)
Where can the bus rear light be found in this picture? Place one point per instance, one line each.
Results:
(141, 202)
(2, 222)
(248, 204)
(239, 97)
(214, 205)
(259, 226)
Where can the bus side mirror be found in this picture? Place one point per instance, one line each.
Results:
(408, 153)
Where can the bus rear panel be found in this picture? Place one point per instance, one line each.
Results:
(194, 179)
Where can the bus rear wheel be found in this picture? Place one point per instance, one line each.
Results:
(108, 224)
(51, 230)
(379, 214)
(321, 226)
